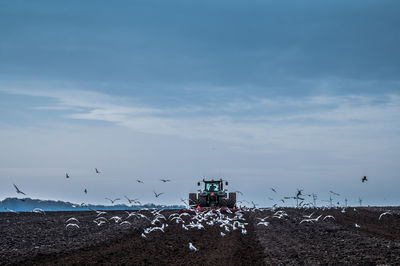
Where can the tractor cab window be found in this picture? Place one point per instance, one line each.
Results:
(212, 187)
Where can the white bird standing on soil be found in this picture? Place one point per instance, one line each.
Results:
(383, 214)
(192, 248)
(18, 190)
(357, 226)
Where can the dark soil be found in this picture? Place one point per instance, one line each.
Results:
(339, 241)
(35, 239)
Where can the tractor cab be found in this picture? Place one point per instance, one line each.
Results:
(213, 186)
(213, 195)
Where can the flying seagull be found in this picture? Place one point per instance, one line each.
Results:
(112, 201)
(139, 181)
(18, 191)
(158, 194)
(66, 175)
(132, 200)
(97, 171)
(165, 180)
(383, 214)
(364, 179)
(85, 191)
(239, 192)
(273, 189)
(334, 193)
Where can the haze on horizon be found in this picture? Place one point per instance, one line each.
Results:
(280, 94)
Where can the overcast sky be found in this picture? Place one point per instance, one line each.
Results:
(284, 94)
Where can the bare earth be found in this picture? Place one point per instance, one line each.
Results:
(36, 239)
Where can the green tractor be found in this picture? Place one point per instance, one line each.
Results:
(213, 195)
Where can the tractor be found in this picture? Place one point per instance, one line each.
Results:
(213, 195)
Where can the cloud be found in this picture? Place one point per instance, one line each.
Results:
(314, 122)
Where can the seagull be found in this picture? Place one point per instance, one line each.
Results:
(112, 201)
(125, 222)
(157, 195)
(66, 175)
(383, 214)
(18, 191)
(71, 225)
(263, 223)
(38, 210)
(364, 179)
(308, 216)
(99, 223)
(97, 171)
(85, 191)
(334, 193)
(192, 248)
(263, 219)
(222, 234)
(254, 205)
(7, 209)
(165, 180)
(140, 181)
(72, 219)
(299, 191)
(132, 200)
(98, 212)
(273, 189)
(143, 235)
(328, 216)
(357, 226)
(311, 220)
(116, 219)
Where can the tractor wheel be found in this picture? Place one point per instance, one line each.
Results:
(203, 201)
(223, 202)
(193, 199)
(232, 200)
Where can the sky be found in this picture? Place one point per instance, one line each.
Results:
(283, 94)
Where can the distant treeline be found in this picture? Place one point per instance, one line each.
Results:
(28, 204)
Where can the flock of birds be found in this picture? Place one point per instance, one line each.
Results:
(224, 219)
(112, 201)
